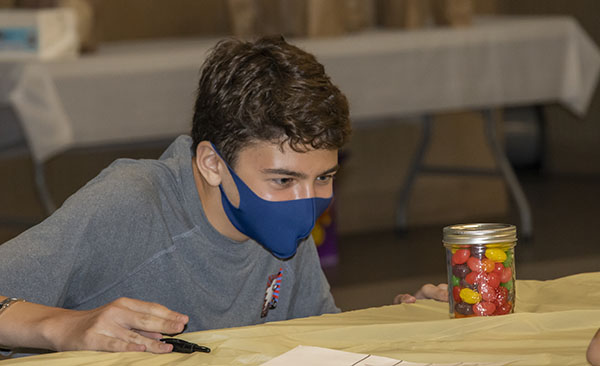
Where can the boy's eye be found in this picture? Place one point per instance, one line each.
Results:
(283, 181)
(325, 178)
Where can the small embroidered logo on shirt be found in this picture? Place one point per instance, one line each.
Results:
(272, 293)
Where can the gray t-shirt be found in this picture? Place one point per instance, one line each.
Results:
(138, 230)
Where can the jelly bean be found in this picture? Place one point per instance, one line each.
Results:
(506, 275)
(498, 267)
(461, 256)
(497, 255)
(475, 277)
(503, 308)
(460, 270)
(484, 308)
(488, 293)
(455, 281)
(508, 285)
(456, 294)
(509, 259)
(488, 265)
(493, 279)
(499, 303)
(469, 296)
(501, 295)
(463, 308)
(474, 264)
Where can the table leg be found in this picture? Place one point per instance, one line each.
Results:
(14, 143)
(506, 171)
(42, 189)
(415, 166)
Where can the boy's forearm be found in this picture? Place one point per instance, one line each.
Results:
(26, 325)
(122, 325)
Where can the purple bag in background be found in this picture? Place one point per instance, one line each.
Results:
(325, 235)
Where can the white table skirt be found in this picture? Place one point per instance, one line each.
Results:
(145, 90)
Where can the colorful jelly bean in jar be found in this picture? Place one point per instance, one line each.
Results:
(481, 269)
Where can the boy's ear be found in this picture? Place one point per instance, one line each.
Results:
(209, 163)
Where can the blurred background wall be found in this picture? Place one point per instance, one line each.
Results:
(572, 145)
(376, 158)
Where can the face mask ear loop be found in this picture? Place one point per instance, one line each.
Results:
(233, 176)
(219, 155)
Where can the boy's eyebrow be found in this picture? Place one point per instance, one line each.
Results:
(296, 174)
(331, 170)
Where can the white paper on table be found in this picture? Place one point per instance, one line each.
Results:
(318, 356)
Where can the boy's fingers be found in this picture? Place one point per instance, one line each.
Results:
(154, 309)
(429, 291)
(404, 299)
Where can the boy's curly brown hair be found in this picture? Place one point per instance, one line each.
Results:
(267, 90)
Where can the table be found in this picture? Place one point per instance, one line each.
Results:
(139, 91)
(553, 324)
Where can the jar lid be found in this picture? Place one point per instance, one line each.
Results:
(481, 233)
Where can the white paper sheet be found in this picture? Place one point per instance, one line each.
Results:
(317, 356)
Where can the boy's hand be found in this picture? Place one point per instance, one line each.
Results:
(122, 325)
(428, 291)
(593, 351)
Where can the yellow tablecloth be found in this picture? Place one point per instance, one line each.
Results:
(553, 324)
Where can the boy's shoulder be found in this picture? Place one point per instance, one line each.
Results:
(141, 175)
(141, 181)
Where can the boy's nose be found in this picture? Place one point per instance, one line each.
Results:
(306, 191)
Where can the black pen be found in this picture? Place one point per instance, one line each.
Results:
(181, 346)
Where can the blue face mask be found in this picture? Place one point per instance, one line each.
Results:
(277, 225)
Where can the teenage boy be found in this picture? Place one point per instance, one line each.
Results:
(217, 229)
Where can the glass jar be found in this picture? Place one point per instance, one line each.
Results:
(480, 260)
